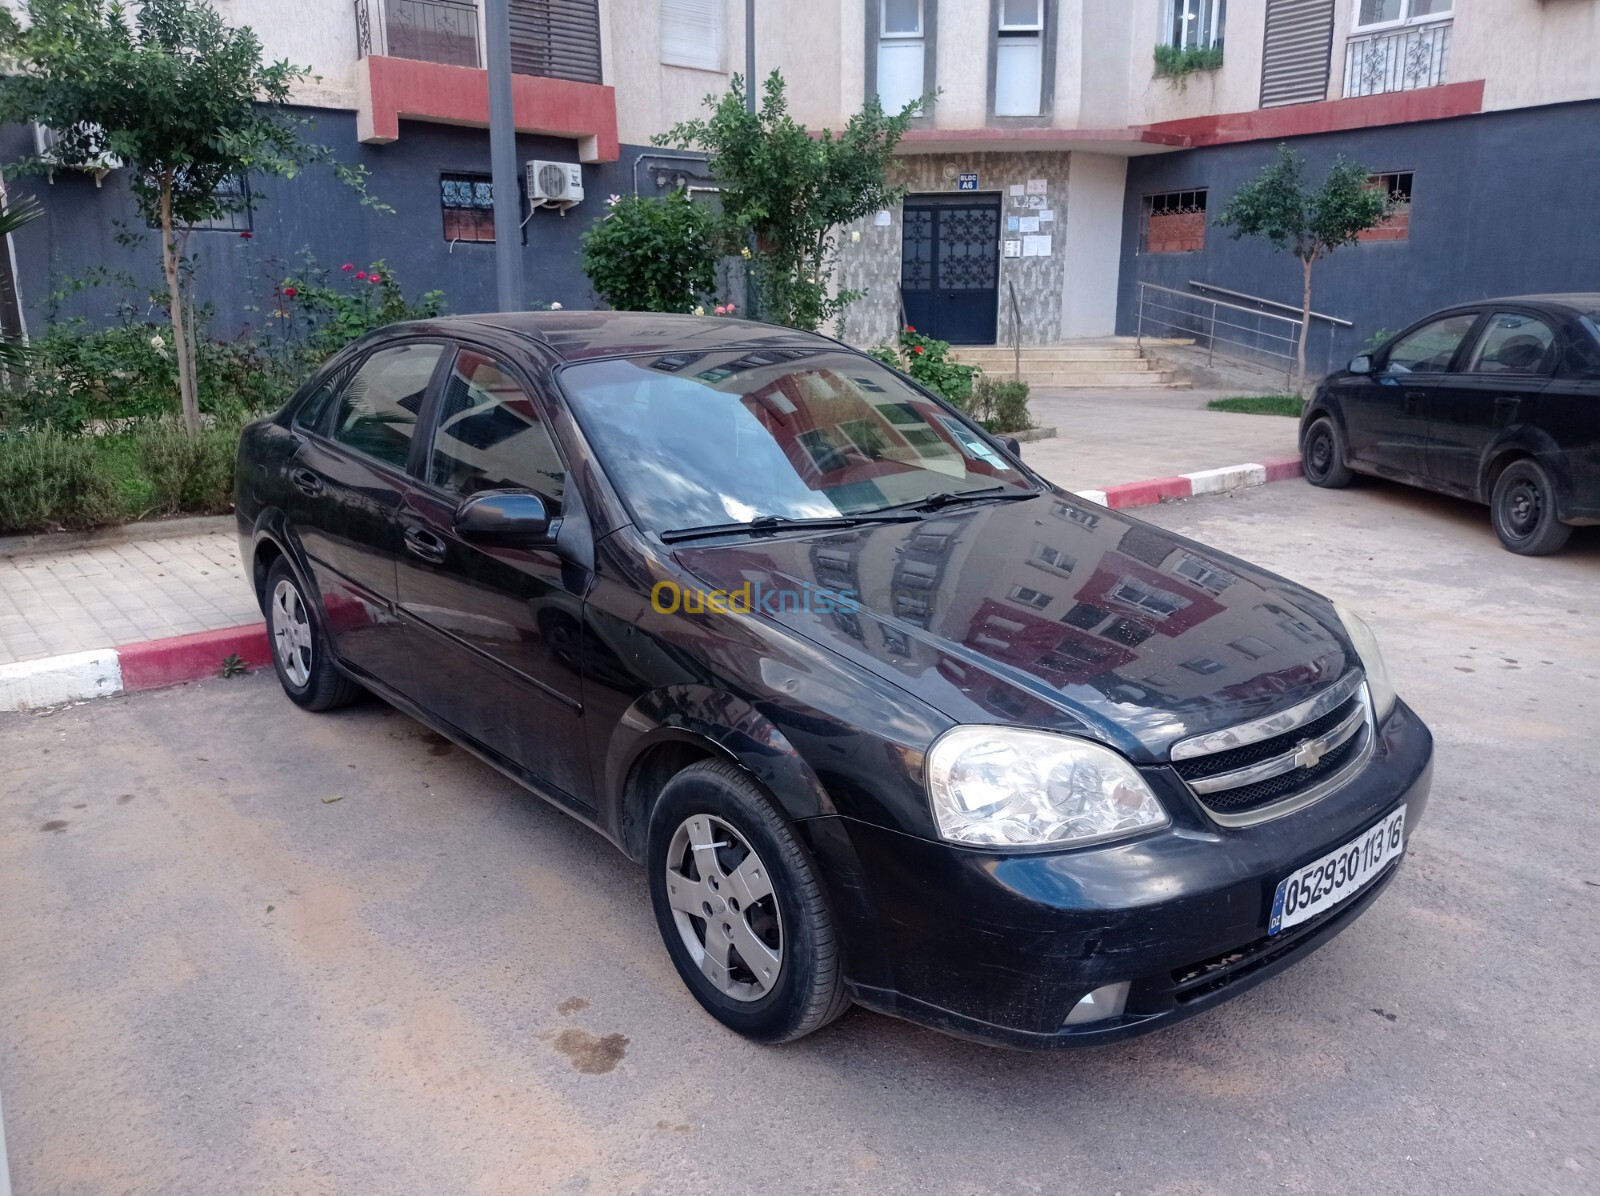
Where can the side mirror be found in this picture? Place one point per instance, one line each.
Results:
(1013, 445)
(1361, 365)
(506, 517)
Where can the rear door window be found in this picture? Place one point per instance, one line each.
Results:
(1430, 349)
(377, 412)
(1513, 343)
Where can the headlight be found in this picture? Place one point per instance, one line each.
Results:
(999, 785)
(1366, 646)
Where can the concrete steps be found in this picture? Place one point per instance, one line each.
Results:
(1104, 363)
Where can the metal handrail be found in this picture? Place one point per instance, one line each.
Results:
(1316, 315)
(1267, 334)
(1016, 333)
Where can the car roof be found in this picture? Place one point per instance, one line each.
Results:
(585, 335)
(1578, 301)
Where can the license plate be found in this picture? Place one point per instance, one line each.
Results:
(1339, 875)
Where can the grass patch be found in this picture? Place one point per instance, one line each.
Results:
(1292, 405)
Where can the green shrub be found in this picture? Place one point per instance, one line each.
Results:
(1001, 405)
(930, 362)
(189, 474)
(648, 254)
(325, 310)
(51, 482)
(1177, 65)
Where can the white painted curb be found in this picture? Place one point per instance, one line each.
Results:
(1094, 496)
(30, 684)
(1229, 477)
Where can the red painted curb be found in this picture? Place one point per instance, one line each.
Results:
(159, 663)
(1146, 494)
(1281, 471)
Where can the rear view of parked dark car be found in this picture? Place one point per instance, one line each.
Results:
(1497, 401)
(888, 718)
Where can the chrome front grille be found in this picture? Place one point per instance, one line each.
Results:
(1282, 763)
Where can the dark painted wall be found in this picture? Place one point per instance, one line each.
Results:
(315, 211)
(1503, 204)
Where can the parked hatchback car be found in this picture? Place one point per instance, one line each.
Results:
(888, 717)
(1496, 401)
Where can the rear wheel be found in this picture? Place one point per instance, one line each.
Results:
(1322, 456)
(740, 909)
(300, 653)
(1523, 509)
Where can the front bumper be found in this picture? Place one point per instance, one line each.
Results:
(999, 948)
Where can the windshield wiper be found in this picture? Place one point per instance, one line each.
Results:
(945, 498)
(781, 523)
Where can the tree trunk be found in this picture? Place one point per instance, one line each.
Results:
(1305, 331)
(183, 351)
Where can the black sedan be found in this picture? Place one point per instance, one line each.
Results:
(1497, 401)
(889, 718)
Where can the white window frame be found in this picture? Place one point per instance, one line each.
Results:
(712, 61)
(1405, 19)
(1209, 37)
(1031, 35)
(1036, 27)
(922, 23)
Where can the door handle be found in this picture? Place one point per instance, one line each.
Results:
(420, 542)
(306, 481)
(1508, 400)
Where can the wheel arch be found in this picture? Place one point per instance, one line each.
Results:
(1520, 443)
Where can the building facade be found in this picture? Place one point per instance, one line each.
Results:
(1074, 155)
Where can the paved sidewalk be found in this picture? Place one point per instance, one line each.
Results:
(1110, 437)
(112, 595)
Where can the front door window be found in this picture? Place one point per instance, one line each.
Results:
(1431, 348)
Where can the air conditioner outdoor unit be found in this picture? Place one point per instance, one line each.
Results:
(77, 147)
(555, 184)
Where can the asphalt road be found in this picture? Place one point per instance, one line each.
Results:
(213, 979)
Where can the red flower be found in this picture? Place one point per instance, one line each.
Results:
(909, 328)
(917, 349)
(290, 292)
(375, 278)
(362, 275)
(246, 235)
(347, 267)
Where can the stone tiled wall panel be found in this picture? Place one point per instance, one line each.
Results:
(872, 263)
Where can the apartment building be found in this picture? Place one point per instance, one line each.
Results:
(1063, 163)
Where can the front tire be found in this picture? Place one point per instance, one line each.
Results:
(739, 908)
(1523, 509)
(1322, 456)
(300, 654)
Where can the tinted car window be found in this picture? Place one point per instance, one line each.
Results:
(377, 412)
(491, 435)
(1512, 344)
(705, 438)
(313, 412)
(1430, 348)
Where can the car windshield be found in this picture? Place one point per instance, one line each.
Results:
(697, 439)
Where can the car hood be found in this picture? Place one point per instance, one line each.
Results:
(1049, 612)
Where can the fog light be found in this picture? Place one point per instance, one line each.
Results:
(1100, 1004)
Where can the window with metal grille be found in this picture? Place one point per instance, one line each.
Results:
(1174, 222)
(1397, 227)
(233, 195)
(691, 33)
(468, 203)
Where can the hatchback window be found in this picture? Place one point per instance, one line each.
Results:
(378, 410)
(1430, 348)
(491, 435)
(741, 434)
(1512, 344)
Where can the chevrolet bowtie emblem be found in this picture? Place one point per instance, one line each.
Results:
(1308, 754)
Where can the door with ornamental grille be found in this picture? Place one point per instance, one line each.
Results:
(950, 266)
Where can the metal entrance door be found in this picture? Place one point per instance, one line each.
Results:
(950, 266)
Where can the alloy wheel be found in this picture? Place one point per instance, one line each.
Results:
(724, 907)
(291, 633)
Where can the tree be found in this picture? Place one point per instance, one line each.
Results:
(652, 254)
(792, 190)
(1278, 205)
(13, 351)
(181, 98)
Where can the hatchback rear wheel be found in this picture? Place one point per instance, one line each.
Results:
(739, 908)
(300, 653)
(1322, 456)
(1523, 509)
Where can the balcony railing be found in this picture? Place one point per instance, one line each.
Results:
(1397, 59)
(444, 31)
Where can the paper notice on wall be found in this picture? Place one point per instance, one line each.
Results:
(1028, 224)
(1016, 189)
(1013, 248)
(1036, 246)
(1037, 186)
(1047, 215)
(1036, 202)
(884, 218)
(1011, 224)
